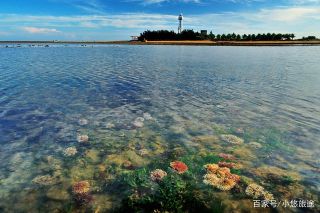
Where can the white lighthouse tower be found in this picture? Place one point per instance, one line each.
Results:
(180, 23)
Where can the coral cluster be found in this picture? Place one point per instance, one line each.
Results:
(157, 175)
(220, 177)
(81, 193)
(256, 191)
(232, 139)
(179, 167)
(81, 187)
(226, 156)
(70, 151)
(83, 138)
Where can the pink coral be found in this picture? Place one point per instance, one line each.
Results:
(179, 167)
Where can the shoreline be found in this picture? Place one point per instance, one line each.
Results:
(185, 43)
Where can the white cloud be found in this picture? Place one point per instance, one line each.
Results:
(298, 20)
(36, 30)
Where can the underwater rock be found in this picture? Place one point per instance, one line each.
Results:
(129, 155)
(179, 167)
(70, 151)
(83, 122)
(83, 138)
(58, 194)
(44, 180)
(138, 122)
(81, 187)
(157, 175)
(220, 177)
(275, 174)
(232, 139)
(256, 191)
(147, 116)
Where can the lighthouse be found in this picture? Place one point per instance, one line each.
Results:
(180, 23)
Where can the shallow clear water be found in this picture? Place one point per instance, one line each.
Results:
(265, 95)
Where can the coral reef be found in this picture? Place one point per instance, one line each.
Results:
(256, 191)
(179, 167)
(81, 187)
(157, 175)
(138, 122)
(232, 139)
(44, 180)
(83, 138)
(220, 177)
(70, 151)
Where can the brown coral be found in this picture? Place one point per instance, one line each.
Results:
(157, 175)
(81, 187)
(232, 139)
(220, 177)
(229, 165)
(256, 191)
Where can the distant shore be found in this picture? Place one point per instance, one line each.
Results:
(190, 43)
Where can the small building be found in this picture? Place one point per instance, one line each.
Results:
(134, 38)
(204, 32)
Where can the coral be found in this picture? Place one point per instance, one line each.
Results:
(255, 145)
(83, 138)
(256, 191)
(70, 151)
(157, 175)
(81, 187)
(110, 125)
(83, 122)
(138, 122)
(226, 156)
(179, 167)
(44, 180)
(220, 177)
(147, 116)
(232, 139)
(229, 165)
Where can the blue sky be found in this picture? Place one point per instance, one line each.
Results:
(118, 19)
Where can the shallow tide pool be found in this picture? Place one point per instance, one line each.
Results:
(84, 129)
